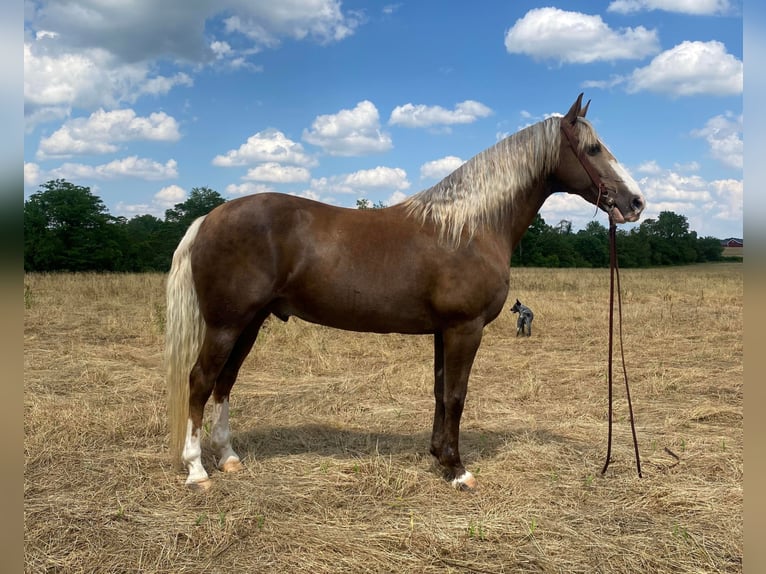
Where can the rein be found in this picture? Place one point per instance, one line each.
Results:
(614, 271)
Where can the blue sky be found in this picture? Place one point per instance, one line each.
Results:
(142, 101)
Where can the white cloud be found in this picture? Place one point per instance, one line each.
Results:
(362, 182)
(671, 186)
(31, 174)
(689, 166)
(723, 134)
(688, 69)
(702, 202)
(266, 23)
(649, 167)
(132, 209)
(418, 116)
(132, 166)
(710, 206)
(247, 188)
(270, 145)
(729, 195)
(440, 168)
(389, 9)
(100, 133)
(140, 30)
(144, 30)
(276, 173)
(234, 59)
(349, 132)
(90, 54)
(378, 177)
(612, 82)
(220, 49)
(164, 199)
(396, 197)
(696, 7)
(573, 208)
(55, 83)
(168, 196)
(572, 37)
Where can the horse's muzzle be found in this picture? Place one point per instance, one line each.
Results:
(631, 213)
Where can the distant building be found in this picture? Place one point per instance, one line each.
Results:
(732, 242)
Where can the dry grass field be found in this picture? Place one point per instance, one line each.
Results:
(334, 428)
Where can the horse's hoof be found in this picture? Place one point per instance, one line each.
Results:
(200, 486)
(465, 482)
(232, 465)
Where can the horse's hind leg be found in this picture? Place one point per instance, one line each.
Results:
(215, 351)
(220, 435)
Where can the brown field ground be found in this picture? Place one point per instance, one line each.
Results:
(334, 428)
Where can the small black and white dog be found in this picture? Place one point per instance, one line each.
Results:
(524, 322)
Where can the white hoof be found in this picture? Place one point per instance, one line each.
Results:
(231, 464)
(466, 481)
(199, 485)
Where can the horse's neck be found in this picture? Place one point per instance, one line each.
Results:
(518, 217)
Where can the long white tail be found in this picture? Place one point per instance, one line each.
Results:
(184, 330)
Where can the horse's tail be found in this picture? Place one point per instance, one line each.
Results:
(184, 329)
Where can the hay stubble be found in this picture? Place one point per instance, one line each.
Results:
(334, 427)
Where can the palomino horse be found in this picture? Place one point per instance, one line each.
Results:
(436, 264)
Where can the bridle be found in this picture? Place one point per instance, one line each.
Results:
(604, 192)
(609, 203)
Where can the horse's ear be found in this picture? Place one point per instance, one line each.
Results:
(584, 110)
(574, 111)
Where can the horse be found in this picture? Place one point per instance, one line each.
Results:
(437, 264)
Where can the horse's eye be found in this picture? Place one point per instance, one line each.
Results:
(594, 149)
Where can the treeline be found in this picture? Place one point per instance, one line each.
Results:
(665, 240)
(68, 228)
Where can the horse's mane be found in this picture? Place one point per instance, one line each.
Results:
(482, 191)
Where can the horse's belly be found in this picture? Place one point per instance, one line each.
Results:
(354, 309)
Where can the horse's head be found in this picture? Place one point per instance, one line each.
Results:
(589, 169)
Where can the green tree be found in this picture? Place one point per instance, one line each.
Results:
(709, 249)
(634, 248)
(529, 251)
(201, 201)
(365, 203)
(592, 244)
(66, 227)
(670, 239)
(145, 238)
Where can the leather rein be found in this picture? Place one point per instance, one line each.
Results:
(609, 202)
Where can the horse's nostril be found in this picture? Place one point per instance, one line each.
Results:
(637, 203)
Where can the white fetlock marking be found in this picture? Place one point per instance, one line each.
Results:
(220, 435)
(193, 456)
(465, 478)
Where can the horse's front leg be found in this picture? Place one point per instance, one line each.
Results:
(459, 346)
(437, 436)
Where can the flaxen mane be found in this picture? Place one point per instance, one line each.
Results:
(482, 190)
